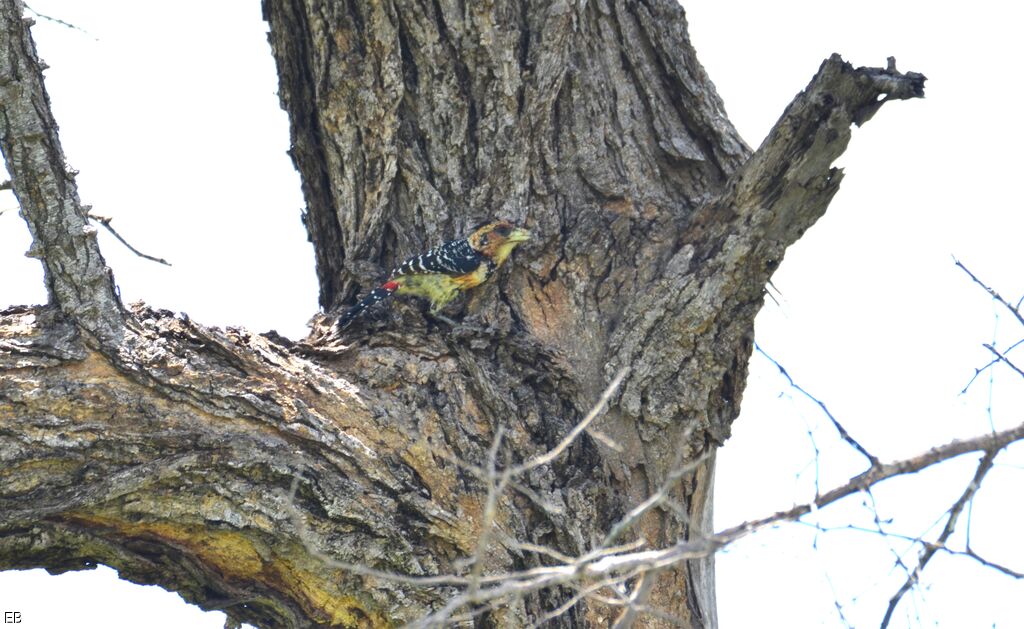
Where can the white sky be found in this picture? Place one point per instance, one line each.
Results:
(163, 104)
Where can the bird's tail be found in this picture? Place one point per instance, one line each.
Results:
(382, 292)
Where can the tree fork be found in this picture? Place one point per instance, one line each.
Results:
(167, 449)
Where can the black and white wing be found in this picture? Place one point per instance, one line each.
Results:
(455, 257)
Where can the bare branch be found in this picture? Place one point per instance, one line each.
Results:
(578, 429)
(495, 488)
(924, 543)
(641, 592)
(835, 422)
(544, 550)
(1013, 309)
(979, 371)
(928, 552)
(1003, 358)
(77, 279)
(656, 499)
(59, 21)
(989, 442)
(106, 220)
(617, 564)
(985, 562)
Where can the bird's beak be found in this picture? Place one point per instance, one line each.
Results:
(519, 235)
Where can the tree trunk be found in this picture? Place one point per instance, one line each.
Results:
(168, 450)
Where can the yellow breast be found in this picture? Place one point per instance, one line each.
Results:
(471, 280)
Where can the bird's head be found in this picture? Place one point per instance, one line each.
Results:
(497, 240)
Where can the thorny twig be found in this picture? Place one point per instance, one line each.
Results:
(839, 427)
(924, 544)
(929, 551)
(1000, 356)
(879, 528)
(1013, 309)
(979, 371)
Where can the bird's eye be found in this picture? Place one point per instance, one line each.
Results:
(503, 230)
(483, 240)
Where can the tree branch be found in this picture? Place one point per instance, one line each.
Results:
(843, 433)
(175, 470)
(615, 565)
(789, 181)
(989, 442)
(1001, 357)
(77, 279)
(732, 244)
(1014, 310)
(929, 550)
(106, 220)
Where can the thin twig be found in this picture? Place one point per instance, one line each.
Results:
(873, 508)
(481, 475)
(105, 221)
(654, 500)
(544, 550)
(59, 21)
(985, 562)
(839, 427)
(1016, 311)
(929, 551)
(1003, 358)
(986, 442)
(978, 371)
(923, 542)
(495, 488)
(817, 459)
(638, 598)
(620, 563)
(552, 454)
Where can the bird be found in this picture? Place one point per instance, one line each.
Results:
(443, 272)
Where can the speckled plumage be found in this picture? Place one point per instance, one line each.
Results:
(446, 270)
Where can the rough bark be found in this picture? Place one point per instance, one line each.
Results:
(74, 272)
(167, 449)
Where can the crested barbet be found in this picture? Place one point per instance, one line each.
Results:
(442, 273)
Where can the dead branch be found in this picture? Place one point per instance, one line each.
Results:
(979, 370)
(1014, 310)
(616, 565)
(929, 551)
(999, 356)
(106, 220)
(988, 442)
(59, 21)
(578, 429)
(835, 422)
